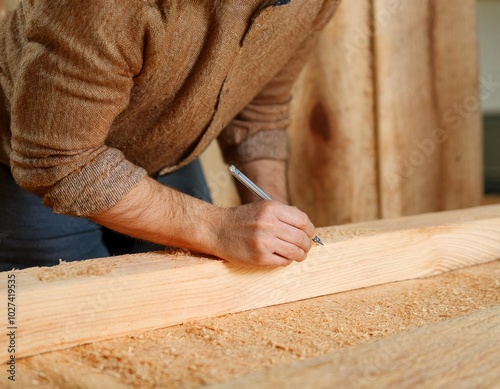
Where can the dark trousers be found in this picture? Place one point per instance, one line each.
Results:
(32, 235)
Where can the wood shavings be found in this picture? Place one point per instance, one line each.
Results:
(67, 270)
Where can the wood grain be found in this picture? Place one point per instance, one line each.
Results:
(459, 353)
(428, 116)
(456, 81)
(82, 302)
(333, 169)
(218, 349)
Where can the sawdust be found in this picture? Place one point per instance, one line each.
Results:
(424, 223)
(217, 349)
(93, 267)
(66, 270)
(337, 233)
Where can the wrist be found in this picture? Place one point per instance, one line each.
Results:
(267, 174)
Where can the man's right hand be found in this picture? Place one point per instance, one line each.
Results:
(265, 233)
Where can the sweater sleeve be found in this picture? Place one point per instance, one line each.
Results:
(78, 63)
(259, 131)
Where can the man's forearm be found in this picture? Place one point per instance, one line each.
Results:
(269, 175)
(264, 233)
(155, 213)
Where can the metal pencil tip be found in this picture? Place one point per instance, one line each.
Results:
(318, 240)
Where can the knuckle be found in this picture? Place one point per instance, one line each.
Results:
(289, 253)
(266, 214)
(302, 220)
(258, 247)
(307, 246)
(302, 257)
(295, 254)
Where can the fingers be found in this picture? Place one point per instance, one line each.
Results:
(274, 260)
(296, 218)
(290, 251)
(266, 234)
(294, 236)
(293, 233)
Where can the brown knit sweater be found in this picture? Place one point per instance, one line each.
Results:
(96, 94)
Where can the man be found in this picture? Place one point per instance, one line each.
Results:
(100, 97)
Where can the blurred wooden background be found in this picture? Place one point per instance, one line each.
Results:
(386, 116)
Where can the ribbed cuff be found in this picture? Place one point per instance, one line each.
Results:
(271, 144)
(96, 187)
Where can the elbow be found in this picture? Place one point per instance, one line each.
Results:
(34, 179)
(37, 168)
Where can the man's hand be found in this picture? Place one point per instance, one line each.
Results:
(265, 233)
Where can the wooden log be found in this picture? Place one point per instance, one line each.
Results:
(455, 58)
(407, 111)
(333, 167)
(428, 116)
(82, 302)
(457, 353)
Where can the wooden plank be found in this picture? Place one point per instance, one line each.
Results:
(333, 169)
(82, 302)
(217, 349)
(457, 353)
(428, 113)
